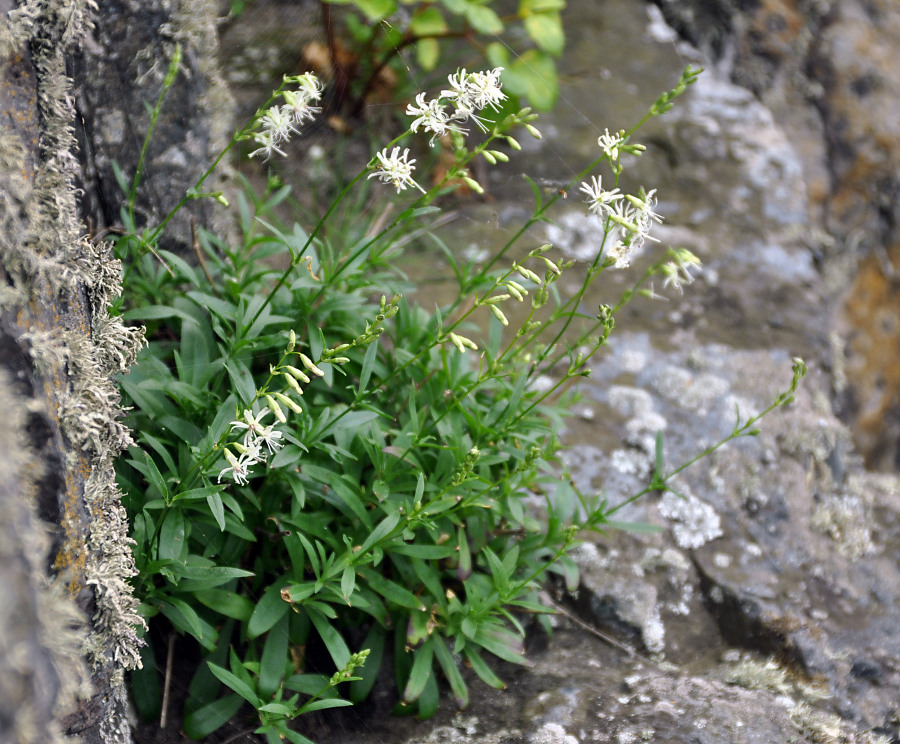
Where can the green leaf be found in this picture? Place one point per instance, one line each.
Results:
(336, 645)
(348, 583)
(145, 684)
(527, 7)
(481, 668)
(391, 591)
(323, 704)
(428, 53)
(204, 721)
(203, 571)
(154, 477)
(382, 530)
(501, 643)
(547, 32)
(639, 527)
(376, 10)
(484, 20)
(195, 494)
(226, 603)
(186, 619)
(428, 21)
(270, 610)
(171, 536)
(217, 509)
(367, 366)
(420, 672)
(236, 684)
(274, 656)
(533, 76)
(451, 672)
(242, 380)
(426, 552)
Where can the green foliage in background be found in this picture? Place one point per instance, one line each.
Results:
(381, 29)
(379, 32)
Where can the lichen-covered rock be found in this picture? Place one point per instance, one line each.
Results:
(60, 352)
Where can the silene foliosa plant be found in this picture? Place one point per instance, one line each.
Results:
(331, 479)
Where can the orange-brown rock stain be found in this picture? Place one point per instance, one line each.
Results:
(872, 314)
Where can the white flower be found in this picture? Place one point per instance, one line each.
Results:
(395, 168)
(253, 425)
(310, 87)
(621, 252)
(474, 91)
(238, 468)
(432, 117)
(609, 144)
(270, 437)
(279, 122)
(269, 145)
(681, 264)
(599, 201)
(644, 216)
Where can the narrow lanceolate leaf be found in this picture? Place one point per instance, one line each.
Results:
(270, 610)
(274, 655)
(336, 646)
(481, 668)
(205, 720)
(501, 642)
(420, 672)
(382, 530)
(390, 590)
(451, 672)
(236, 684)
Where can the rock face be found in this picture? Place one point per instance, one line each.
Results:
(119, 73)
(825, 69)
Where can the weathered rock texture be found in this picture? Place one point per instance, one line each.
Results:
(66, 601)
(118, 73)
(827, 71)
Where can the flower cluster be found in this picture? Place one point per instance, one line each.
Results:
(261, 440)
(627, 219)
(469, 93)
(282, 120)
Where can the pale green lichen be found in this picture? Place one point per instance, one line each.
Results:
(827, 728)
(77, 353)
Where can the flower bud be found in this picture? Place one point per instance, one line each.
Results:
(308, 363)
(513, 143)
(501, 156)
(489, 156)
(496, 299)
(276, 409)
(473, 184)
(532, 131)
(498, 314)
(528, 274)
(292, 341)
(552, 266)
(298, 373)
(293, 384)
(284, 400)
